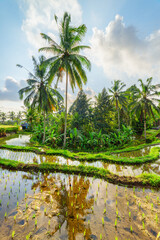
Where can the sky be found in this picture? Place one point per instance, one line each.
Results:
(124, 37)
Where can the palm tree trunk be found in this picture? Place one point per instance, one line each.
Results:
(44, 126)
(145, 123)
(118, 114)
(65, 126)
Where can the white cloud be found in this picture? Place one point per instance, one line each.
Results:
(123, 55)
(39, 17)
(11, 88)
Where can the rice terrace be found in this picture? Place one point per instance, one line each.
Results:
(79, 148)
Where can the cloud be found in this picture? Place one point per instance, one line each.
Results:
(10, 91)
(39, 17)
(123, 54)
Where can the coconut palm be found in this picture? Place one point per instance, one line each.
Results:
(118, 96)
(12, 115)
(66, 57)
(146, 100)
(3, 116)
(39, 93)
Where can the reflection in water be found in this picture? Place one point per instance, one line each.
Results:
(138, 153)
(60, 206)
(30, 157)
(16, 140)
(72, 202)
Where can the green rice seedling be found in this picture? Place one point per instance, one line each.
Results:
(100, 236)
(77, 216)
(27, 219)
(104, 211)
(8, 204)
(95, 199)
(131, 229)
(143, 225)
(33, 216)
(84, 233)
(152, 206)
(103, 221)
(66, 213)
(45, 211)
(49, 223)
(116, 238)
(134, 189)
(156, 218)
(15, 218)
(0, 202)
(13, 234)
(17, 204)
(72, 204)
(5, 215)
(26, 205)
(139, 205)
(115, 224)
(5, 187)
(82, 206)
(35, 223)
(129, 214)
(73, 230)
(143, 190)
(59, 226)
(128, 203)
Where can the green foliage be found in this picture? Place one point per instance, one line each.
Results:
(7, 129)
(80, 110)
(103, 114)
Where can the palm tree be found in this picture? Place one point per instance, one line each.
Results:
(118, 96)
(66, 57)
(3, 116)
(146, 100)
(12, 115)
(39, 93)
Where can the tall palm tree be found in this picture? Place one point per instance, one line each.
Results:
(39, 93)
(146, 100)
(118, 96)
(3, 116)
(12, 115)
(66, 57)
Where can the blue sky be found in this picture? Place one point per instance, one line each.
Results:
(124, 36)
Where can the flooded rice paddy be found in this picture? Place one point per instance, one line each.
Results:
(64, 206)
(60, 206)
(16, 140)
(30, 157)
(137, 153)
